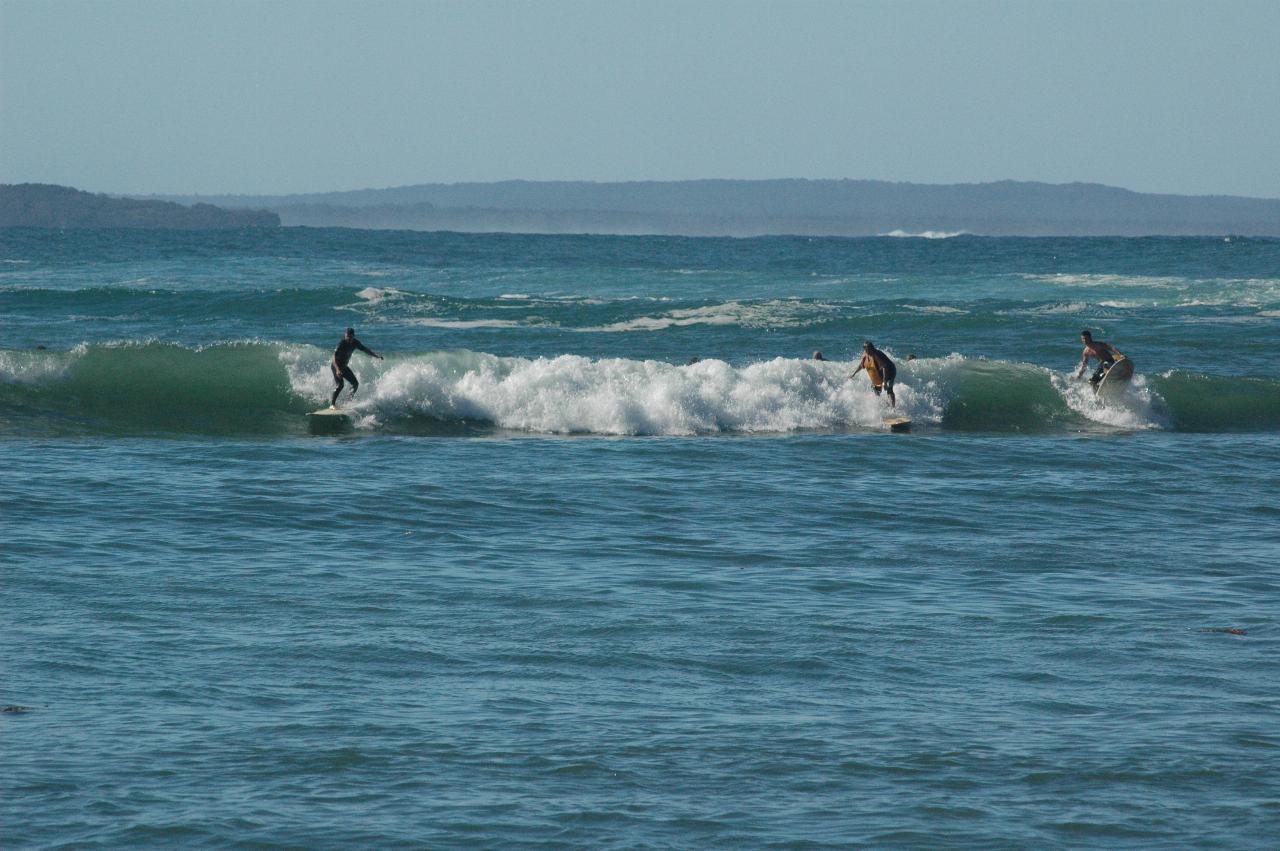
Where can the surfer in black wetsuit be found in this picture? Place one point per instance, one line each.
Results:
(871, 356)
(341, 357)
(1105, 353)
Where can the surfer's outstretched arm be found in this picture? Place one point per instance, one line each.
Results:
(368, 351)
(1084, 364)
(861, 366)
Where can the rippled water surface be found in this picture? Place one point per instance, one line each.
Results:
(554, 585)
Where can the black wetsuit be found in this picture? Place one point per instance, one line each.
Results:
(338, 366)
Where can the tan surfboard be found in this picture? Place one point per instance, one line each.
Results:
(1116, 379)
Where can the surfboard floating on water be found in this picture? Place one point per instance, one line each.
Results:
(897, 423)
(331, 412)
(1116, 379)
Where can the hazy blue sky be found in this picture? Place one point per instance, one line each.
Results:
(274, 97)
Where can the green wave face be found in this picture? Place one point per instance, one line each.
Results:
(234, 388)
(995, 396)
(1212, 403)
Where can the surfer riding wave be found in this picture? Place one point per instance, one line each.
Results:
(882, 371)
(1105, 353)
(341, 357)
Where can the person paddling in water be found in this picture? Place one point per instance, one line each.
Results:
(341, 357)
(1105, 353)
(877, 363)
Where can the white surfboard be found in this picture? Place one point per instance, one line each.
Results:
(1116, 379)
(331, 412)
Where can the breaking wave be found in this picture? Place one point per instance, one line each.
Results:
(925, 234)
(266, 388)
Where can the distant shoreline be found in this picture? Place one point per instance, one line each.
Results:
(729, 208)
(771, 207)
(42, 205)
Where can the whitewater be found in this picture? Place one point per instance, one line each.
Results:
(164, 386)
(603, 557)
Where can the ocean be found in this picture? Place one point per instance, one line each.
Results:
(557, 583)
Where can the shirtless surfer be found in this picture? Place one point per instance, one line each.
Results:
(877, 362)
(341, 357)
(1105, 353)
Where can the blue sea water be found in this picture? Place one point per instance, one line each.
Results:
(554, 584)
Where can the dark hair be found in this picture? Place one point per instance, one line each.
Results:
(867, 344)
(351, 331)
(1086, 333)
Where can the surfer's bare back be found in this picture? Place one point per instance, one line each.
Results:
(341, 357)
(1105, 353)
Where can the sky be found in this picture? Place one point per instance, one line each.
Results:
(286, 96)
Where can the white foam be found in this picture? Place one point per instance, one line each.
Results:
(1205, 302)
(468, 323)
(572, 394)
(1182, 292)
(524, 300)
(778, 313)
(925, 234)
(39, 367)
(1066, 308)
(374, 295)
(933, 308)
(1095, 280)
(1136, 407)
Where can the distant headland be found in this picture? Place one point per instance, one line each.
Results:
(42, 205)
(762, 207)
(680, 208)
